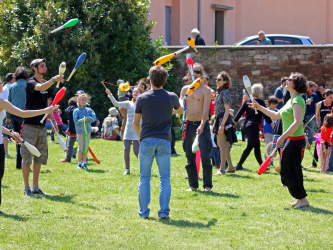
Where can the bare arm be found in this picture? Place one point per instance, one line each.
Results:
(46, 85)
(183, 91)
(180, 110)
(136, 124)
(11, 133)
(270, 113)
(4, 104)
(225, 118)
(298, 119)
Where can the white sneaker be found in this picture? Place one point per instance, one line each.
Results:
(127, 171)
(52, 141)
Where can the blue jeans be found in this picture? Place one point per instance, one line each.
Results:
(330, 164)
(312, 125)
(160, 149)
(215, 156)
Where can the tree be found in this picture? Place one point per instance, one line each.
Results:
(114, 34)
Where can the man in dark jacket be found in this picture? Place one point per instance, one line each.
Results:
(197, 38)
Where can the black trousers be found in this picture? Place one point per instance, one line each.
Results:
(253, 142)
(206, 146)
(291, 168)
(2, 165)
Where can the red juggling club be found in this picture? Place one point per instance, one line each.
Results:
(60, 94)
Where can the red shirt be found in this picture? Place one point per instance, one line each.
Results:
(326, 134)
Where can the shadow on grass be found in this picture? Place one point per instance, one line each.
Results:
(64, 198)
(99, 171)
(318, 191)
(184, 223)
(233, 175)
(14, 217)
(45, 171)
(4, 186)
(316, 210)
(218, 194)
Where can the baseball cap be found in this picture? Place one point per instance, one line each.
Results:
(35, 62)
(79, 92)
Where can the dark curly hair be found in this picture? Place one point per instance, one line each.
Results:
(300, 82)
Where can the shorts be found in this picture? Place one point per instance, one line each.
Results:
(82, 141)
(36, 136)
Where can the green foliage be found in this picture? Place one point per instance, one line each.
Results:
(114, 34)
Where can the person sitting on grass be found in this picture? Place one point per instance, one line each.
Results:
(110, 127)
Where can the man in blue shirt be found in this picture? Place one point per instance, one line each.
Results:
(155, 107)
(263, 40)
(311, 101)
(279, 92)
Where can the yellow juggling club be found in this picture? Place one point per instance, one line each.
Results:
(193, 87)
(164, 59)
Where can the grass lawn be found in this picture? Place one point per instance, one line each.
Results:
(98, 208)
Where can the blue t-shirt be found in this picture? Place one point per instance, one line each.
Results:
(279, 94)
(311, 109)
(267, 128)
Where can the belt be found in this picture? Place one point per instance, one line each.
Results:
(194, 122)
(296, 138)
(36, 126)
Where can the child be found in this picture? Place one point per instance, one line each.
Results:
(326, 143)
(215, 154)
(71, 132)
(110, 127)
(83, 117)
(272, 102)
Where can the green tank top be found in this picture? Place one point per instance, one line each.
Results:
(287, 115)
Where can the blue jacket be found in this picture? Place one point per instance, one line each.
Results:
(79, 114)
(16, 94)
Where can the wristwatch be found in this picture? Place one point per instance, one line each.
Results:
(53, 79)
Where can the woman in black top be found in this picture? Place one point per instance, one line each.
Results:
(324, 107)
(252, 126)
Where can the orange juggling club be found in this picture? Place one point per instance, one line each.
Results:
(193, 87)
(164, 59)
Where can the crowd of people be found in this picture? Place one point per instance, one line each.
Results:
(145, 111)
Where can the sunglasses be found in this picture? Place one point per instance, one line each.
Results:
(290, 79)
(218, 79)
(197, 71)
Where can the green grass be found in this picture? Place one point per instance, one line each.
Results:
(98, 208)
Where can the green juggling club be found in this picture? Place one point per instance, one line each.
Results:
(70, 23)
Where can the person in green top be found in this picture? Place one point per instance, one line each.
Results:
(292, 115)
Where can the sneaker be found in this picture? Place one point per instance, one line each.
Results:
(38, 191)
(73, 156)
(79, 166)
(28, 193)
(7, 156)
(127, 171)
(84, 166)
(165, 218)
(52, 141)
(220, 172)
(63, 160)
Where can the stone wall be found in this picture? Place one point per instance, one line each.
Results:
(266, 65)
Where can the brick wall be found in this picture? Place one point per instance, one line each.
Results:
(264, 65)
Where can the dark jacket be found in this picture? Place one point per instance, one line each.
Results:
(71, 124)
(199, 40)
